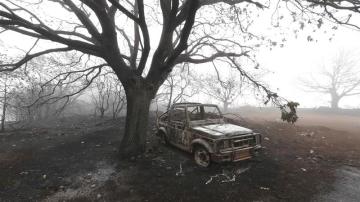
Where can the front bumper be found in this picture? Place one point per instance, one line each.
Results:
(235, 155)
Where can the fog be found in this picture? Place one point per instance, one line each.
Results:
(300, 58)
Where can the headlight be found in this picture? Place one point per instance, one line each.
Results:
(224, 144)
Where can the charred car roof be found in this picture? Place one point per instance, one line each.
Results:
(185, 104)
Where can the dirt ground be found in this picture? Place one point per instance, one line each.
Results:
(75, 159)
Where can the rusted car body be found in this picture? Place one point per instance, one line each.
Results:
(201, 129)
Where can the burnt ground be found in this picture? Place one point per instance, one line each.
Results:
(75, 159)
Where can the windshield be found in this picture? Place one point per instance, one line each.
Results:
(203, 112)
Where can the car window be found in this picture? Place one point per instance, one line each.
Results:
(195, 113)
(211, 112)
(178, 114)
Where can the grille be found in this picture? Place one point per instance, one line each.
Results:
(244, 141)
(242, 154)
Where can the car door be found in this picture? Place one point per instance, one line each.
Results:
(177, 125)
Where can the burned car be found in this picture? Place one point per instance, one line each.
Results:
(201, 129)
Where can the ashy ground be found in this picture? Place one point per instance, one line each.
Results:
(74, 159)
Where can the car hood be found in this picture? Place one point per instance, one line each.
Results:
(226, 129)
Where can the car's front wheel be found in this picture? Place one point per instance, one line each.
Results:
(202, 156)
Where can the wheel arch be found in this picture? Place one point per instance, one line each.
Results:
(163, 130)
(203, 143)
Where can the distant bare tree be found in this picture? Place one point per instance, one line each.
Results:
(341, 79)
(4, 98)
(118, 99)
(178, 86)
(8, 83)
(108, 94)
(224, 90)
(101, 96)
(26, 105)
(42, 94)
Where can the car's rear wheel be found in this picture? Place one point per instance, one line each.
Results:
(162, 137)
(202, 156)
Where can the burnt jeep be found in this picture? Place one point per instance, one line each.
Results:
(201, 129)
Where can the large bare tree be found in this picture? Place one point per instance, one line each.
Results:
(340, 79)
(117, 33)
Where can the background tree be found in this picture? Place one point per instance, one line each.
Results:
(4, 106)
(5, 88)
(340, 79)
(4, 92)
(35, 100)
(107, 94)
(224, 90)
(101, 96)
(178, 86)
(41, 91)
(9, 82)
(117, 34)
(118, 99)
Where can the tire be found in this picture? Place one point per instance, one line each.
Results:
(162, 137)
(202, 156)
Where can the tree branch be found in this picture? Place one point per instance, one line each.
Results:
(29, 57)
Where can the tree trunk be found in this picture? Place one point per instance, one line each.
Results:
(3, 116)
(225, 106)
(102, 113)
(137, 114)
(335, 101)
(4, 110)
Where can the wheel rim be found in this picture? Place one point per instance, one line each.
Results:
(202, 157)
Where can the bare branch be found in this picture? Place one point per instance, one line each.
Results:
(124, 10)
(28, 57)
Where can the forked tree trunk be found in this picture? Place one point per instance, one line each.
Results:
(137, 114)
